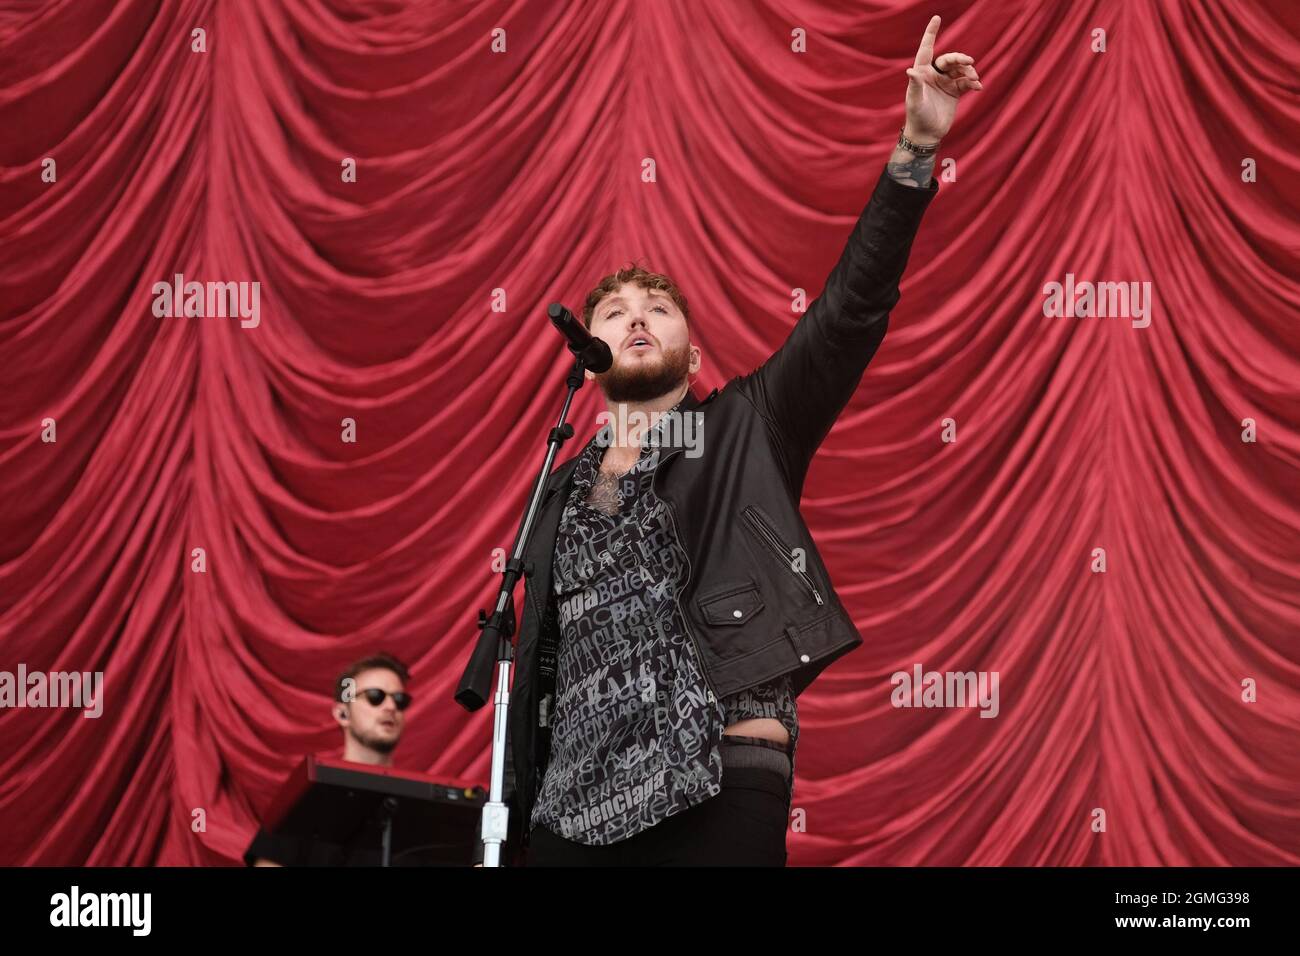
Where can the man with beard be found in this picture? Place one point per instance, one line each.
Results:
(669, 625)
(370, 702)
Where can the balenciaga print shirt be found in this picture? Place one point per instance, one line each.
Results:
(635, 735)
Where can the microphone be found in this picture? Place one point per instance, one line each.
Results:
(593, 352)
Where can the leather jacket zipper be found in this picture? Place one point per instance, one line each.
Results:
(672, 517)
(780, 551)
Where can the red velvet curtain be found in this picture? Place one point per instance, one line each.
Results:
(411, 303)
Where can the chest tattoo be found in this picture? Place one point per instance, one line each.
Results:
(604, 493)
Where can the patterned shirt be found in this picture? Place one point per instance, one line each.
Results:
(635, 733)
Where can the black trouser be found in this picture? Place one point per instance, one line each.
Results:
(743, 825)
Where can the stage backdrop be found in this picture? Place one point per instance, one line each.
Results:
(1103, 511)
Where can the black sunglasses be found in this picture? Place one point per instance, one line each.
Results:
(376, 697)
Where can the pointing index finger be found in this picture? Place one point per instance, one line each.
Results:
(925, 52)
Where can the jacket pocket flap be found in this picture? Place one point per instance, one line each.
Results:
(732, 606)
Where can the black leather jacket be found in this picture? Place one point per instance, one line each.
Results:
(735, 507)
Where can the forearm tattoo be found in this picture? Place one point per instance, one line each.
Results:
(910, 169)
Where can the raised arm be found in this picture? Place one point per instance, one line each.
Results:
(933, 89)
(806, 383)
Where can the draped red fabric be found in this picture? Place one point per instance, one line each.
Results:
(1104, 513)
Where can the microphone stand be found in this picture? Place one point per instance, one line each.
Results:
(494, 644)
(386, 811)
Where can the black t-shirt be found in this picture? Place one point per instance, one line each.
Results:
(364, 848)
(294, 851)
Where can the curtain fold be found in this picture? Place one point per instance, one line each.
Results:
(409, 302)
